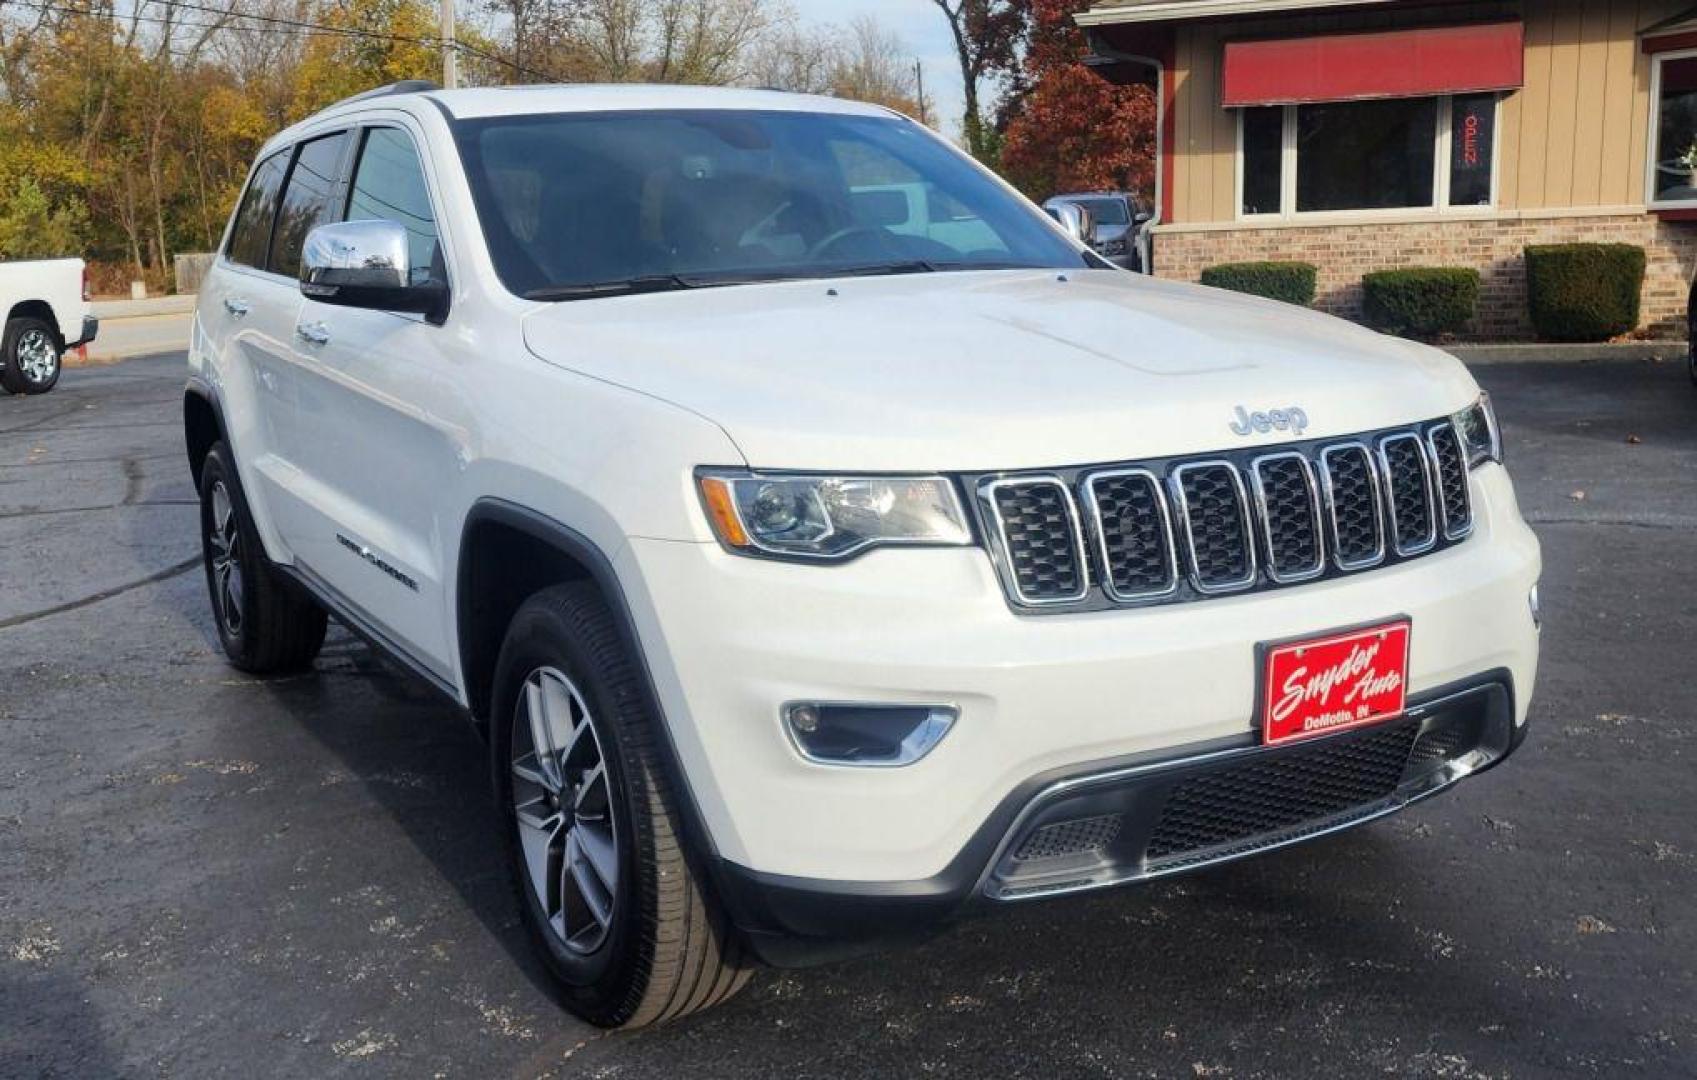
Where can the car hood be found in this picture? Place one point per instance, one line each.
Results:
(990, 371)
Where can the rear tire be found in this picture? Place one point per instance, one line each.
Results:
(266, 623)
(30, 356)
(592, 832)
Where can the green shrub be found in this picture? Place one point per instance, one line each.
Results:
(1584, 292)
(1292, 282)
(1421, 301)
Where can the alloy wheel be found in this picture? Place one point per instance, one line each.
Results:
(37, 358)
(562, 800)
(226, 541)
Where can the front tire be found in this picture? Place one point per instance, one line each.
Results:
(30, 357)
(593, 837)
(266, 624)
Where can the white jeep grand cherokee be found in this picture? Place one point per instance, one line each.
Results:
(818, 567)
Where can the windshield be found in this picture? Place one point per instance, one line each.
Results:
(583, 204)
(1108, 211)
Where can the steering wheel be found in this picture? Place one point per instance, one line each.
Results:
(835, 238)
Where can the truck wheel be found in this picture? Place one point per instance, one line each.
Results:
(266, 623)
(591, 823)
(29, 356)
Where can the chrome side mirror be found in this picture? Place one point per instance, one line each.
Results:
(366, 264)
(1076, 221)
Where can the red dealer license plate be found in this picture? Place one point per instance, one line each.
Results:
(1332, 683)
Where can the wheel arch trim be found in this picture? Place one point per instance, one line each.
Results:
(600, 568)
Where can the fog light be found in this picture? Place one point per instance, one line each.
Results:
(868, 735)
(804, 718)
(1537, 612)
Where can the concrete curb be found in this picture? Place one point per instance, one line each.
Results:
(1552, 352)
(132, 309)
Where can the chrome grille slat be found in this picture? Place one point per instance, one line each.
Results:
(1408, 493)
(1213, 509)
(1044, 541)
(1350, 485)
(1090, 538)
(1134, 534)
(1289, 503)
(1449, 465)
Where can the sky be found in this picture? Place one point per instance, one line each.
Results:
(924, 31)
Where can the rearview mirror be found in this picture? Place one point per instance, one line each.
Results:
(365, 264)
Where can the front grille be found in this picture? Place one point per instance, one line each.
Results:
(1304, 786)
(1135, 532)
(1408, 486)
(1290, 516)
(1041, 532)
(1452, 481)
(1178, 530)
(1352, 495)
(1077, 837)
(1215, 515)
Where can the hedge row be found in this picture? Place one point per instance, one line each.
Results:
(1421, 301)
(1584, 292)
(1292, 282)
(1575, 292)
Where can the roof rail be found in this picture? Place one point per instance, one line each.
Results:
(405, 86)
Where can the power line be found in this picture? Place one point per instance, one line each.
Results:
(279, 25)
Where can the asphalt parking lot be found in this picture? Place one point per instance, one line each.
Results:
(202, 874)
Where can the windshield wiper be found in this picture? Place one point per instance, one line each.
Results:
(651, 283)
(906, 266)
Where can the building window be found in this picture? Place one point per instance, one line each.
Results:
(1673, 160)
(1362, 157)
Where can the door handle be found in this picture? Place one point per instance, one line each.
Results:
(313, 333)
(238, 308)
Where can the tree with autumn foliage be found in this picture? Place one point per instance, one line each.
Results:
(1064, 127)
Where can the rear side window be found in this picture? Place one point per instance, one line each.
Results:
(251, 236)
(306, 200)
(389, 185)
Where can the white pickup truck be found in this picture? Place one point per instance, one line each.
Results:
(46, 306)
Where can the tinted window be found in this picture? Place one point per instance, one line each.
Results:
(1263, 159)
(389, 186)
(306, 200)
(1109, 211)
(591, 198)
(1675, 176)
(1365, 155)
(1473, 135)
(251, 235)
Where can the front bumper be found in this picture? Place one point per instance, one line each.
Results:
(1139, 818)
(729, 639)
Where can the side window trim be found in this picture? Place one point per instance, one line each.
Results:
(351, 174)
(271, 226)
(331, 200)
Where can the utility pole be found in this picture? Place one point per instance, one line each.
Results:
(919, 80)
(450, 49)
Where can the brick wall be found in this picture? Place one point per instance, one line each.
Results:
(1343, 253)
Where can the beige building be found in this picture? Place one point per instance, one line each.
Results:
(1363, 135)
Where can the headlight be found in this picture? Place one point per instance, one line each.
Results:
(1476, 427)
(830, 517)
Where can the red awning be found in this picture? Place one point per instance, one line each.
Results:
(1351, 67)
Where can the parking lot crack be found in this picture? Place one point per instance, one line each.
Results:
(105, 594)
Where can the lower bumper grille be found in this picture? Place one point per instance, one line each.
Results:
(1233, 804)
(1151, 820)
